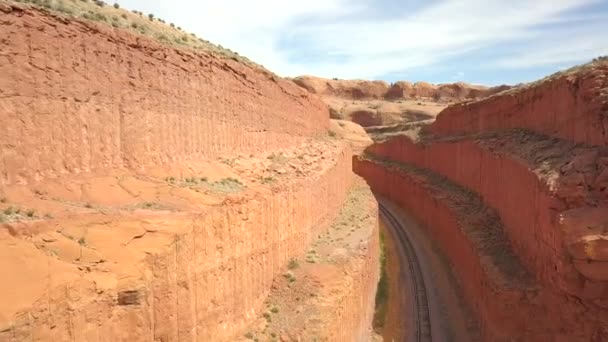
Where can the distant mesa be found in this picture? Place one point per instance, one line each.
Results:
(401, 90)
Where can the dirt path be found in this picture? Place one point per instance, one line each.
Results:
(436, 311)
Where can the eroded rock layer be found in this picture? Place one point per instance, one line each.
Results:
(80, 96)
(149, 193)
(570, 105)
(536, 159)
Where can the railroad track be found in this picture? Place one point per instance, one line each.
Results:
(421, 314)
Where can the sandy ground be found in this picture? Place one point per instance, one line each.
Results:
(303, 302)
(448, 312)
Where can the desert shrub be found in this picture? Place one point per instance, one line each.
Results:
(600, 59)
(124, 15)
(100, 3)
(45, 3)
(151, 16)
(60, 7)
(100, 16)
(266, 180)
(293, 264)
(116, 5)
(172, 25)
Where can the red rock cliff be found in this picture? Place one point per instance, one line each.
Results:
(571, 105)
(78, 96)
(99, 128)
(538, 157)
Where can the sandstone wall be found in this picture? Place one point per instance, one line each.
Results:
(531, 208)
(211, 281)
(571, 107)
(508, 309)
(77, 97)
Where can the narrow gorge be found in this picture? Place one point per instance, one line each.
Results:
(176, 191)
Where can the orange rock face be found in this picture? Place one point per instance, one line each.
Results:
(571, 106)
(101, 98)
(537, 156)
(105, 132)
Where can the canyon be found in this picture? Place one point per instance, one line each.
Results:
(377, 103)
(155, 188)
(512, 189)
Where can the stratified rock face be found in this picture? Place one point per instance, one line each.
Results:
(166, 189)
(79, 97)
(571, 106)
(360, 89)
(537, 156)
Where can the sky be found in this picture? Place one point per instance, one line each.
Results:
(487, 42)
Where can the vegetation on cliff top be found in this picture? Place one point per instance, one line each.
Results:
(134, 21)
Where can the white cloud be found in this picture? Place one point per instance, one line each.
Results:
(557, 48)
(337, 38)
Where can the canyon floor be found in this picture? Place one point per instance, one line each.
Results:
(181, 192)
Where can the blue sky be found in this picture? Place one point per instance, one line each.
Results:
(477, 41)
